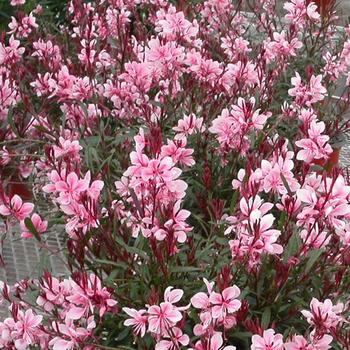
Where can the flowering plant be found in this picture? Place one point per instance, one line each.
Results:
(179, 147)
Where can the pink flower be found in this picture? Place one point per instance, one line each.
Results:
(17, 2)
(176, 25)
(214, 343)
(138, 320)
(216, 309)
(323, 315)
(67, 148)
(235, 47)
(95, 189)
(48, 52)
(200, 301)
(299, 11)
(176, 150)
(71, 188)
(177, 340)
(315, 238)
(240, 73)
(264, 236)
(307, 94)
(280, 47)
(5, 156)
(226, 302)
(172, 296)
(38, 223)
(26, 329)
(12, 53)
(316, 146)
(254, 208)
(178, 223)
(298, 342)
(70, 335)
(269, 341)
(161, 170)
(159, 52)
(206, 71)
(53, 292)
(163, 317)
(233, 126)
(8, 97)
(189, 125)
(320, 343)
(87, 295)
(24, 28)
(16, 208)
(137, 75)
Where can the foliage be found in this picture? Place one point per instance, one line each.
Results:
(185, 149)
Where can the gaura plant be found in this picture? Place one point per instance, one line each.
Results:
(180, 149)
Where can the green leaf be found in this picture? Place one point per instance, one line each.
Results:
(234, 200)
(123, 334)
(265, 318)
(42, 129)
(11, 122)
(84, 108)
(130, 249)
(44, 263)
(30, 226)
(113, 263)
(201, 254)
(282, 221)
(200, 221)
(156, 103)
(293, 245)
(184, 269)
(286, 185)
(313, 257)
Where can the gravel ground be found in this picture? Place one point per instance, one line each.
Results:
(25, 258)
(345, 7)
(345, 153)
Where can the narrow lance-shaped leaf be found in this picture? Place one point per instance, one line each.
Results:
(30, 226)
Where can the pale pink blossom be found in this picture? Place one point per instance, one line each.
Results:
(175, 25)
(70, 189)
(323, 315)
(298, 342)
(26, 329)
(300, 11)
(280, 47)
(138, 320)
(174, 340)
(67, 148)
(226, 302)
(214, 343)
(189, 125)
(17, 2)
(162, 317)
(16, 208)
(316, 146)
(39, 225)
(5, 156)
(12, 53)
(268, 341)
(307, 94)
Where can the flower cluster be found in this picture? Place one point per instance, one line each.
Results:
(74, 300)
(169, 143)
